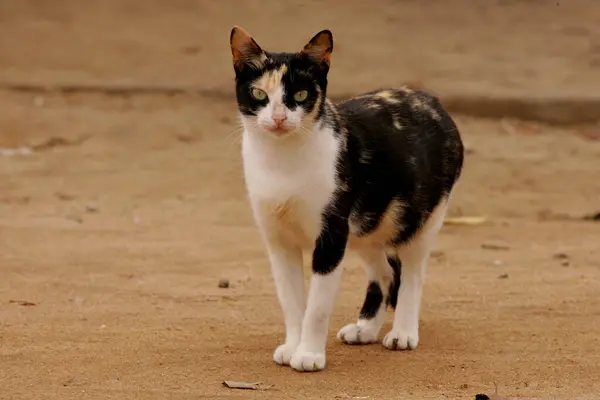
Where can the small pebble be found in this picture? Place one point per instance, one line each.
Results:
(565, 263)
(503, 276)
(593, 217)
(77, 300)
(64, 196)
(224, 283)
(75, 218)
(91, 208)
(468, 148)
(561, 256)
(437, 254)
(39, 101)
(498, 263)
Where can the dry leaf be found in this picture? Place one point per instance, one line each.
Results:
(495, 245)
(53, 142)
(498, 397)
(466, 220)
(242, 385)
(24, 303)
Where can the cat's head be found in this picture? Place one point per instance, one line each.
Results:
(280, 93)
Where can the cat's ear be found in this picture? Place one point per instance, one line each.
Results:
(246, 52)
(320, 47)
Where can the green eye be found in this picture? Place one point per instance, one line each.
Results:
(301, 96)
(258, 94)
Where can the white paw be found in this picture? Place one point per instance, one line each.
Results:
(283, 354)
(307, 361)
(355, 334)
(401, 340)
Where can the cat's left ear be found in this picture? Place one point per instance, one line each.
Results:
(245, 50)
(320, 47)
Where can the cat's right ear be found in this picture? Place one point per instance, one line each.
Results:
(246, 52)
(320, 47)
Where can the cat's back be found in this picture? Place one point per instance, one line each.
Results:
(400, 125)
(404, 109)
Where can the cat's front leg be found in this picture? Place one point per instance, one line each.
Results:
(286, 266)
(324, 284)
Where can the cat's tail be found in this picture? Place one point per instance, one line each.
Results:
(396, 264)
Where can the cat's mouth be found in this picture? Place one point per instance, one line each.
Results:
(278, 130)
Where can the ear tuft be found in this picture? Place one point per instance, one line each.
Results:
(245, 50)
(320, 47)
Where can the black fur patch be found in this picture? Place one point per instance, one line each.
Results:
(402, 146)
(331, 244)
(392, 297)
(373, 301)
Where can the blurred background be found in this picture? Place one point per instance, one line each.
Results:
(122, 205)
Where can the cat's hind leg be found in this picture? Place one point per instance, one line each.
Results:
(414, 255)
(383, 274)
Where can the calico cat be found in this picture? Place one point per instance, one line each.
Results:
(373, 175)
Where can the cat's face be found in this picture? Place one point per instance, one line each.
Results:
(280, 93)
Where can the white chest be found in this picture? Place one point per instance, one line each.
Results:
(289, 185)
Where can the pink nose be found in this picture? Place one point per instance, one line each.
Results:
(279, 120)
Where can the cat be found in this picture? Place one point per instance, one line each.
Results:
(373, 175)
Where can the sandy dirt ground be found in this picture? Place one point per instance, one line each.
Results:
(115, 231)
